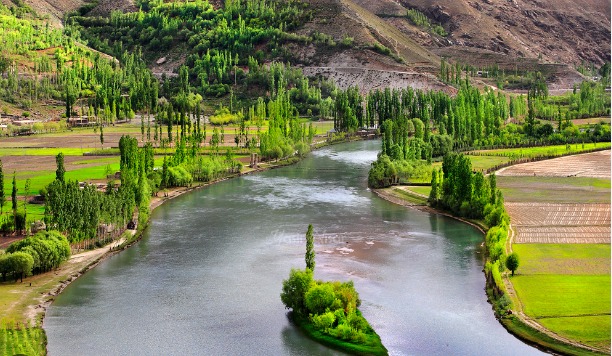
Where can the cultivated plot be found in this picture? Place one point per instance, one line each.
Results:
(595, 165)
(560, 223)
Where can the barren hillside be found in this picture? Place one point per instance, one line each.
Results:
(559, 31)
(55, 9)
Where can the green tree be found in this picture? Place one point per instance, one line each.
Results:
(21, 264)
(310, 253)
(512, 262)
(60, 171)
(319, 298)
(434, 194)
(14, 193)
(102, 135)
(295, 288)
(27, 192)
(2, 196)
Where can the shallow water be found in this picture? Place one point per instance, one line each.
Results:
(206, 278)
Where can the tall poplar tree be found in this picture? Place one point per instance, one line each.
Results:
(59, 173)
(2, 197)
(310, 253)
(14, 194)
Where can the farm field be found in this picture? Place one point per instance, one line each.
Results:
(594, 165)
(566, 288)
(555, 189)
(560, 259)
(562, 235)
(482, 163)
(542, 151)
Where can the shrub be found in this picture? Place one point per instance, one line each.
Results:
(324, 321)
(295, 288)
(319, 298)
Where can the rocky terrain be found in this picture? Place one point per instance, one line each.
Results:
(551, 36)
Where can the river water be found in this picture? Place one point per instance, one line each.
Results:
(206, 278)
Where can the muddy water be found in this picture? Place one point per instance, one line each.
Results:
(206, 278)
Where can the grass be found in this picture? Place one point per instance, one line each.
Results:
(589, 330)
(36, 151)
(555, 189)
(566, 288)
(531, 152)
(412, 198)
(563, 295)
(482, 163)
(22, 341)
(419, 189)
(563, 258)
(533, 336)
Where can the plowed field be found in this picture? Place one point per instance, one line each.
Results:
(596, 165)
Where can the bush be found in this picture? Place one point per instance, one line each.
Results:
(319, 298)
(223, 117)
(324, 321)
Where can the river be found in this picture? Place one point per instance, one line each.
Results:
(206, 277)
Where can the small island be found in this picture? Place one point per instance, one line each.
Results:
(328, 311)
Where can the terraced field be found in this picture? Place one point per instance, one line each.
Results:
(560, 215)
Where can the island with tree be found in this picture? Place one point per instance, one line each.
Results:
(328, 311)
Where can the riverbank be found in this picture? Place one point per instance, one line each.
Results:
(516, 323)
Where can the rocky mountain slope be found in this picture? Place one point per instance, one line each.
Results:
(545, 35)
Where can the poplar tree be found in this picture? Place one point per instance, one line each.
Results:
(14, 194)
(2, 197)
(310, 253)
(59, 173)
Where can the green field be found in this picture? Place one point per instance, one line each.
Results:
(566, 288)
(590, 330)
(563, 258)
(563, 295)
(420, 189)
(482, 163)
(35, 151)
(532, 152)
(554, 189)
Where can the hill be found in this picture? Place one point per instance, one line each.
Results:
(548, 36)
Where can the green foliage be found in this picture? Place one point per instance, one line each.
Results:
(512, 262)
(16, 340)
(19, 264)
(295, 289)
(48, 249)
(419, 19)
(310, 253)
(319, 298)
(61, 170)
(224, 117)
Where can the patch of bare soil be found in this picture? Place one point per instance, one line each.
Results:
(88, 141)
(56, 9)
(372, 79)
(595, 164)
(560, 223)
